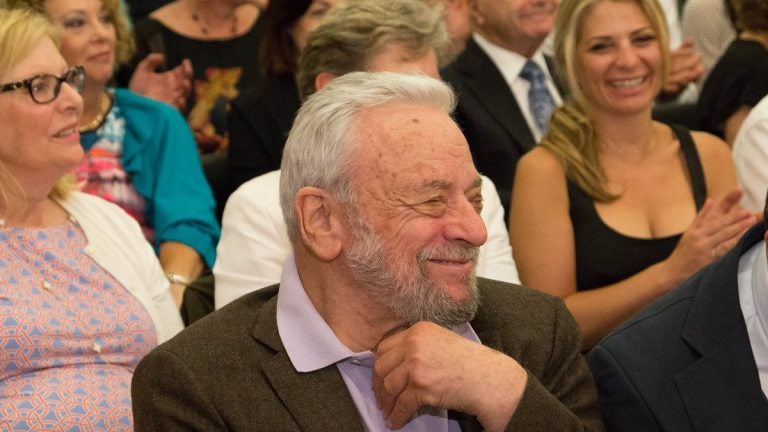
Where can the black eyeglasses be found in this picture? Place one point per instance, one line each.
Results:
(45, 88)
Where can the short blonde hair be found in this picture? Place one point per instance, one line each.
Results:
(20, 32)
(126, 45)
(571, 132)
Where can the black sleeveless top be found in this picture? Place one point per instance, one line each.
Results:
(604, 256)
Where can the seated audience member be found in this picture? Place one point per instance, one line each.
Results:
(254, 243)
(405, 32)
(260, 118)
(82, 295)
(139, 153)
(339, 48)
(508, 88)
(696, 360)
(505, 85)
(146, 78)
(750, 156)
(630, 207)
(709, 24)
(379, 322)
(738, 80)
(457, 16)
(221, 40)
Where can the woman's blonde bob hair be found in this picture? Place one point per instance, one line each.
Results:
(571, 132)
(20, 32)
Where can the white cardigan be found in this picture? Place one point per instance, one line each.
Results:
(116, 243)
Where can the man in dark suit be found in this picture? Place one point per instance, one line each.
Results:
(379, 321)
(697, 359)
(494, 109)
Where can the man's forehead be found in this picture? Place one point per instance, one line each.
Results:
(401, 135)
(391, 126)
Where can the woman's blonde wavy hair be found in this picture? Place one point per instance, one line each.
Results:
(125, 44)
(572, 135)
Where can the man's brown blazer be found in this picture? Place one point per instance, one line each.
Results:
(230, 372)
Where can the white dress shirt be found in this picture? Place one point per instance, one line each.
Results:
(750, 157)
(753, 298)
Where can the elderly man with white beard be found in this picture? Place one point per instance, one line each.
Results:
(378, 322)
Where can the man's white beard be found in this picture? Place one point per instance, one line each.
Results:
(395, 281)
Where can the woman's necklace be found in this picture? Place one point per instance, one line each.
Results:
(105, 104)
(654, 140)
(203, 29)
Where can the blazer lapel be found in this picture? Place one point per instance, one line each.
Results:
(318, 401)
(560, 83)
(483, 78)
(721, 390)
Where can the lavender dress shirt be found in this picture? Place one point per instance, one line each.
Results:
(311, 345)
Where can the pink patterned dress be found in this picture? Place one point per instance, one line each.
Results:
(70, 335)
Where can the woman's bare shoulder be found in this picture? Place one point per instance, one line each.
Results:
(542, 160)
(710, 147)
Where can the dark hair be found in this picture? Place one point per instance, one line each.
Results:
(730, 13)
(751, 15)
(278, 53)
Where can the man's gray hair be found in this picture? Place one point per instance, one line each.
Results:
(354, 32)
(324, 138)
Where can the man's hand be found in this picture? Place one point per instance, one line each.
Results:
(684, 67)
(171, 87)
(428, 365)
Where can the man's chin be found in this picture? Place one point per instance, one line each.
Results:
(463, 297)
(457, 284)
(457, 291)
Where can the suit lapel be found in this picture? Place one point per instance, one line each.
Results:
(721, 390)
(486, 82)
(318, 401)
(560, 83)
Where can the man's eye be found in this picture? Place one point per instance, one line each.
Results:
(477, 203)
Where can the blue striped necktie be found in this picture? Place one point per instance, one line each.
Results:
(539, 99)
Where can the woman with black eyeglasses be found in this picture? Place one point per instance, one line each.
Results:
(82, 295)
(139, 154)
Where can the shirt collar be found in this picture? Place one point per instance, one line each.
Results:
(308, 340)
(760, 285)
(510, 63)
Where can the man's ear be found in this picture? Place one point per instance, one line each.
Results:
(322, 79)
(319, 221)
